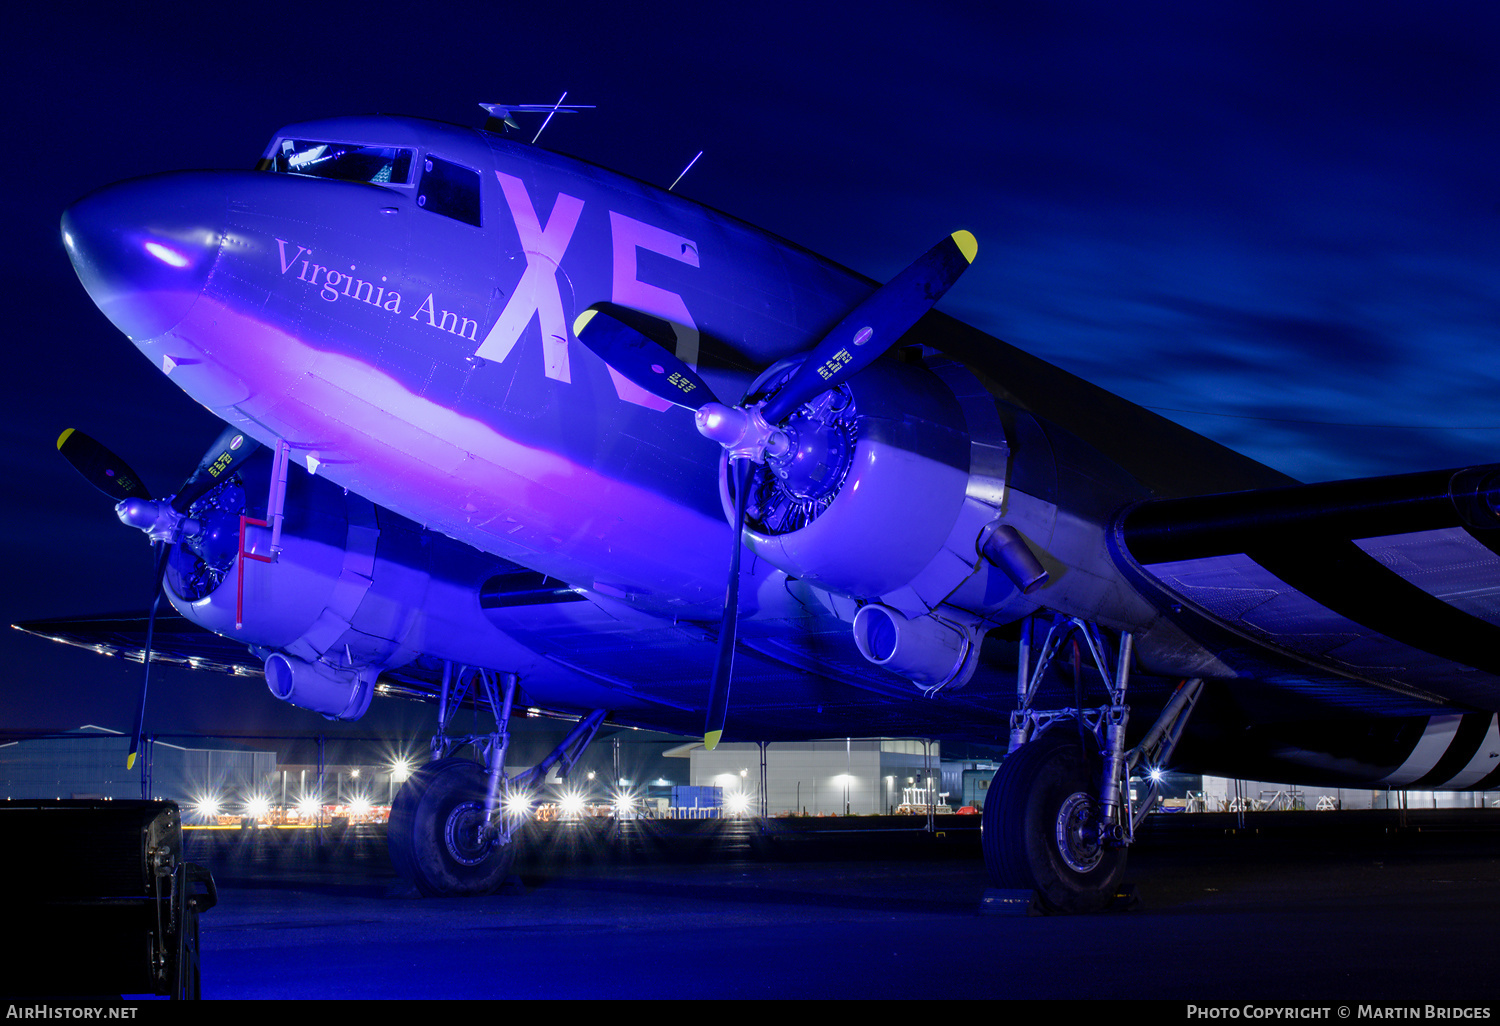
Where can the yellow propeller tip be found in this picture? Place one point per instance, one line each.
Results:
(130, 761)
(967, 244)
(711, 739)
(583, 319)
(62, 438)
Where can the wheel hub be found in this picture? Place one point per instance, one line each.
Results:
(465, 835)
(1078, 834)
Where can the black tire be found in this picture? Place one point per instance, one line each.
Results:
(398, 837)
(1038, 820)
(433, 834)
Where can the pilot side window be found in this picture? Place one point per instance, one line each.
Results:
(345, 162)
(449, 189)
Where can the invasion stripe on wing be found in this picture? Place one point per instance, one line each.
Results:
(1340, 575)
(1453, 751)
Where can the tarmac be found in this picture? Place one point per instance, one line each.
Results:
(1364, 910)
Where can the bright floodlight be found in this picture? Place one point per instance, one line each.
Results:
(571, 803)
(738, 803)
(400, 770)
(208, 806)
(257, 805)
(310, 805)
(166, 254)
(359, 805)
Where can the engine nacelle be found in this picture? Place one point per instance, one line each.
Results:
(351, 592)
(872, 486)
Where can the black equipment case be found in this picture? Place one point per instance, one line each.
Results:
(99, 899)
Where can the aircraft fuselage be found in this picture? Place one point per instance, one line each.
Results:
(394, 299)
(425, 362)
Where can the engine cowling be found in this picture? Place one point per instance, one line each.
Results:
(337, 606)
(871, 486)
(306, 613)
(354, 591)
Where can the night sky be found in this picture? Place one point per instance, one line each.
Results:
(1273, 223)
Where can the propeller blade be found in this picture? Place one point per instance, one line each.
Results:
(229, 450)
(874, 326)
(718, 691)
(100, 467)
(640, 358)
(162, 550)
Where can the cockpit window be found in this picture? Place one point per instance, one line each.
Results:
(345, 162)
(449, 189)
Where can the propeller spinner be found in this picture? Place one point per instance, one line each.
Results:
(750, 433)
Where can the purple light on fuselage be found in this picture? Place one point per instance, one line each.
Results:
(447, 470)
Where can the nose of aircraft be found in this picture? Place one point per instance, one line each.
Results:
(144, 249)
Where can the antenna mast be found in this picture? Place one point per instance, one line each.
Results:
(684, 171)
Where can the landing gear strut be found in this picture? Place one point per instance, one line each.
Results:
(1059, 816)
(450, 833)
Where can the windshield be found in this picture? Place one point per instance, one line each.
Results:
(346, 162)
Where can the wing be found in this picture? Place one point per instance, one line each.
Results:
(791, 677)
(177, 640)
(1394, 581)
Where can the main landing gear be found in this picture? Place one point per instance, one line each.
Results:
(1059, 817)
(439, 834)
(450, 831)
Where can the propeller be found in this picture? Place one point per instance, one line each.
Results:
(100, 467)
(624, 340)
(164, 520)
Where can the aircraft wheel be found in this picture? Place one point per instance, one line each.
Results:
(398, 827)
(434, 833)
(1041, 825)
